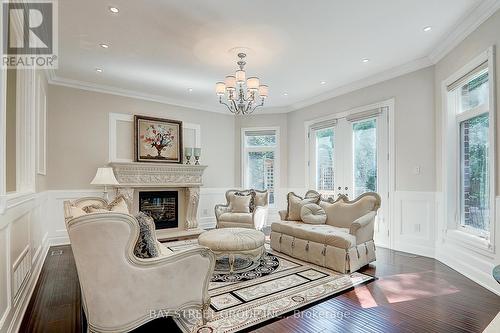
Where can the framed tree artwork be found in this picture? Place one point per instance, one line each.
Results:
(158, 140)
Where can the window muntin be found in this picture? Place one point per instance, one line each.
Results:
(364, 138)
(325, 171)
(260, 158)
(475, 173)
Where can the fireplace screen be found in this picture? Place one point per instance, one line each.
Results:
(162, 206)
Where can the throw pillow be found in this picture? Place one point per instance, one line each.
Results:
(118, 205)
(241, 203)
(261, 198)
(147, 244)
(252, 194)
(295, 203)
(313, 214)
(77, 211)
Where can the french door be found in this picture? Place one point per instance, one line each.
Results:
(349, 156)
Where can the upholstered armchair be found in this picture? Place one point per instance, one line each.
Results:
(255, 218)
(121, 291)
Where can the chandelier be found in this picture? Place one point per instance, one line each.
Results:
(243, 96)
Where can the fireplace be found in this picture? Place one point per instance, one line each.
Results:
(162, 206)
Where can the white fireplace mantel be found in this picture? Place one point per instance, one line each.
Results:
(136, 176)
(139, 174)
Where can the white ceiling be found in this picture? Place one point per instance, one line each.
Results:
(162, 48)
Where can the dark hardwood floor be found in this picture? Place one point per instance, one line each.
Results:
(411, 294)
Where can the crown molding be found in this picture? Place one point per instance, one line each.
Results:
(394, 72)
(101, 88)
(465, 26)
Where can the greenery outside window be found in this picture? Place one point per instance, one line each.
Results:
(260, 160)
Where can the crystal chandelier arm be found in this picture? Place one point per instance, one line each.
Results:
(229, 107)
(256, 106)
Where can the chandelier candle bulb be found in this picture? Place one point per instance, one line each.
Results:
(230, 82)
(220, 88)
(253, 83)
(240, 76)
(263, 91)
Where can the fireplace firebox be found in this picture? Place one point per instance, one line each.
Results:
(162, 206)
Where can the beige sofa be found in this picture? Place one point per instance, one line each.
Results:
(343, 243)
(121, 291)
(226, 218)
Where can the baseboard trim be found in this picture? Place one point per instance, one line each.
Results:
(29, 288)
(476, 275)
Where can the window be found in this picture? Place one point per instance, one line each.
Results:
(324, 160)
(260, 157)
(471, 136)
(365, 156)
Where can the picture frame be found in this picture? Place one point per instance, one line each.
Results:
(157, 140)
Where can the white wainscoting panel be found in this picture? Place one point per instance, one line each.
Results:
(4, 274)
(415, 223)
(23, 247)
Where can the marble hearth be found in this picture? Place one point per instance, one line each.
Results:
(136, 177)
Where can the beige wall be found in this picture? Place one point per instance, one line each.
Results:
(414, 127)
(78, 136)
(480, 40)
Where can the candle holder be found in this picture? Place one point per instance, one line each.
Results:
(197, 154)
(188, 152)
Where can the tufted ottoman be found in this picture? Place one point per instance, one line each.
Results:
(234, 243)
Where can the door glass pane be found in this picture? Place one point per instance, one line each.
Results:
(365, 156)
(324, 160)
(475, 92)
(475, 188)
(261, 172)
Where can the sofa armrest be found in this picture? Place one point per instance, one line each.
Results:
(363, 227)
(259, 217)
(221, 209)
(283, 214)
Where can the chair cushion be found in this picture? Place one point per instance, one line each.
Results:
(312, 214)
(147, 244)
(322, 234)
(240, 203)
(295, 204)
(236, 217)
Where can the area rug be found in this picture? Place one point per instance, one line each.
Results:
(278, 285)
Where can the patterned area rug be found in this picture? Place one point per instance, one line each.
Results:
(277, 285)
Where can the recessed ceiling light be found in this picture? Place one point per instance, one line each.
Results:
(365, 60)
(427, 29)
(190, 89)
(104, 46)
(98, 70)
(323, 82)
(285, 94)
(114, 10)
